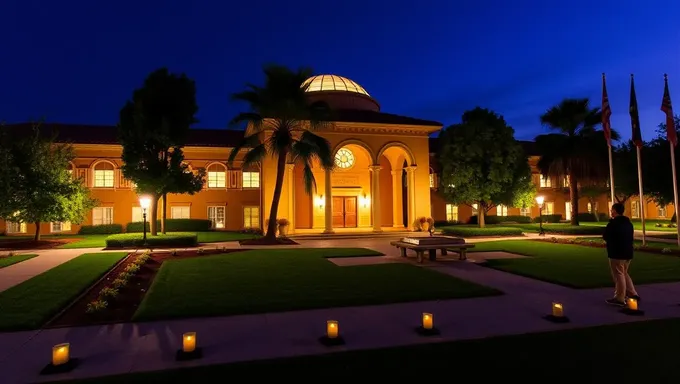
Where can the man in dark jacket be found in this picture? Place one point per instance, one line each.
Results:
(619, 236)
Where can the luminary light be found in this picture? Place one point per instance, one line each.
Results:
(332, 329)
(557, 310)
(428, 321)
(320, 202)
(540, 200)
(189, 342)
(144, 202)
(632, 304)
(60, 354)
(365, 201)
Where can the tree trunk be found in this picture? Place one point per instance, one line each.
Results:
(480, 214)
(280, 171)
(573, 194)
(37, 231)
(164, 212)
(153, 219)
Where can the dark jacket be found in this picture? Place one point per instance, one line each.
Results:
(619, 236)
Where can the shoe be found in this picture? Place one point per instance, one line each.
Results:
(616, 302)
(636, 297)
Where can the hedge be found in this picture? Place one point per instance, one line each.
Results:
(501, 219)
(174, 225)
(487, 231)
(589, 217)
(127, 240)
(104, 229)
(548, 218)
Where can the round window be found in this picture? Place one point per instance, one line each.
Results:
(344, 158)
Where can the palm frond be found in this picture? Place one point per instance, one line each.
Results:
(308, 178)
(321, 148)
(255, 155)
(248, 142)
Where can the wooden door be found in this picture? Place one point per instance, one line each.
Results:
(338, 212)
(350, 211)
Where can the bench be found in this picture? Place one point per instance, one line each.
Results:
(461, 249)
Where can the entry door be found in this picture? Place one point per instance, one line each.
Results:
(344, 211)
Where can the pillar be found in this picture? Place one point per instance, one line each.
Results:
(411, 185)
(290, 178)
(375, 196)
(329, 203)
(397, 210)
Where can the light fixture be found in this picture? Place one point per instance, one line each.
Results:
(557, 310)
(60, 354)
(540, 200)
(189, 350)
(428, 321)
(320, 201)
(632, 304)
(364, 201)
(332, 329)
(557, 314)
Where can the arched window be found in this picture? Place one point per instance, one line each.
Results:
(217, 176)
(103, 175)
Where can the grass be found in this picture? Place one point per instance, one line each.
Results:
(559, 229)
(563, 357)
(11, 260)
(510, 229)
(261, 281)
(170, 239)
(650, 225)
(30, 304)
(673, 236)
(650, 244)
(575, 265)
(474, 231)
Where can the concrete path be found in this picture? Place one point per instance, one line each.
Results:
(134, 347)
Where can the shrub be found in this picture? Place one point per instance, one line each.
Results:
(173, 225)
(108, 293)
(132, 268)
(177, 239)
(104, 229)
(589, 217)
(119, 283)
(573, 230)
(444, 223)
(96, 306)
(501, 219)
(488, 231)
(282, 222)
(548, 218)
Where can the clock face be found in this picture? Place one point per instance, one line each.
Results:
(344, 158)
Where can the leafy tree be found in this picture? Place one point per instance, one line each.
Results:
(483, 164)
(36, 183)
(576, 149)
(152, 128)
(625, 170)
(281, 122)
(592, 192)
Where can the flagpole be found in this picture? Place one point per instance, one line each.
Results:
(675, 189)
(611, 174)
(642, 204)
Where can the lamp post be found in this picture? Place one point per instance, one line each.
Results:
(144, 202)
(539, 200)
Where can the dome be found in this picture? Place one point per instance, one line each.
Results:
(324, 83)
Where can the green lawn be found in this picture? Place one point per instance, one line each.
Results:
(575, 265)
(649, 225)
(509, 229)
(571, 356)
(260, 281)
(650, 242)
(30, 304)
(475, 231)
(559, 228)
(6, 261)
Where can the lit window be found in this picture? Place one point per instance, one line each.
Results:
(433, 180)
(217, 176)
(525, 211)
(180, 212)
(545, 182)
(103, 175)
(549, 208)
(251, 217)
(102, 216)
(451, 212)
(137, 215)
(16, 227)
(251, 180)
(474, 209)
(590, 207)
(216, 216)
(344, 158)
(61, 227)
(501, 210)
(661, 212)
(634, 209)
(565, 182)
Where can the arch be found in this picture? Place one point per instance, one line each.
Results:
(358, 143)
(207, 166)
(398, 144)
(105, 180)
(94, 164)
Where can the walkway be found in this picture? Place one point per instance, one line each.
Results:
(122, 348)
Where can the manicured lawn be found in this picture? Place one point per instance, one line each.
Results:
(168, 240)
(289, 279)
(30, 304)
(509, 229)
(6, 261)
(88, 241)
(559, 228)
(575, 265)
(591, 355)
(650, 242)
(649, 225)
(673, 236)
(475, 231)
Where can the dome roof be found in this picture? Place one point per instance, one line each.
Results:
(333, 83)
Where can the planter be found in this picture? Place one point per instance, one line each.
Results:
(283, 230)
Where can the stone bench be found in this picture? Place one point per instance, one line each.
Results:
(420, 249)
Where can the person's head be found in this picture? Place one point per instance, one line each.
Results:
(617, 209)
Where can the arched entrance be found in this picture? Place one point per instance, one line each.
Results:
(399, 158)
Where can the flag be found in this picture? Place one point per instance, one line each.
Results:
(606, 113)
(634, 116)
(667, 108)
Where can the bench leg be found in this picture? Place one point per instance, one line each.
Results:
(443, 251)
(463, 254)
(432, 254)
(403, 252)
(420, 256)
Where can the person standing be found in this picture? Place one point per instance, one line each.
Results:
(619, 236)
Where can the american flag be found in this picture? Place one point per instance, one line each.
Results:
(606, 113)
(667, 108)
(634, 115)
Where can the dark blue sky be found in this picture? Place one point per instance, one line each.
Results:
(78, 61)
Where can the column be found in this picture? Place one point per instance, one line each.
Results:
(329, 203)
(375, 196)
(290, 170)
(397, 210)
(411, 185)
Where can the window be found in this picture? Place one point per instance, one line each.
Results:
(545, 182)
(635, 209)
(567, 210)
(61, 227)
(661, 211)
(251, 179)
(431, 180)
(102, 216)
(251, 217)
(216, 216)
(180, 212)
(451, 212)
(525, 211)
(565, 182)
(549, 208)
(16, 227)
(217, 176)
(590, 206)
(137, 215)
(103, 175)
(501, 210)
(474, 209)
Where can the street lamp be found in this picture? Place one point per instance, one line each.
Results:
(539, 200)
(145, 203)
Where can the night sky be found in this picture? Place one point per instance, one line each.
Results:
(78, 61)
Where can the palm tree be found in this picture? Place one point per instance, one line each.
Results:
(576, 149)
(281, 122)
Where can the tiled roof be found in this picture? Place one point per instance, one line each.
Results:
(366, 116)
